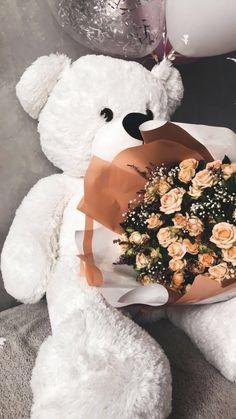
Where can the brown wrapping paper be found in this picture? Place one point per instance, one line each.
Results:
(109, 186)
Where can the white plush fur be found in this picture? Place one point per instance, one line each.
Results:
(97, 364)
(71, 115)
(170, 77)
(33, 238)
(212, 328)
(38, 81)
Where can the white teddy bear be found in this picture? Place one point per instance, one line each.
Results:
(97, 364)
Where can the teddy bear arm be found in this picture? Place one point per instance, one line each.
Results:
(30, 249)
(212, 328)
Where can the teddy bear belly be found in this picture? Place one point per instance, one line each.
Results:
(72, 220)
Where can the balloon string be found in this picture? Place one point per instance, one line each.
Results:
(164, 40)
(155, 57)
(171, 55)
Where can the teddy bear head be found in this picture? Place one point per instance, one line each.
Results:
(85, 107)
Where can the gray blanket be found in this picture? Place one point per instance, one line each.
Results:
(199, 391)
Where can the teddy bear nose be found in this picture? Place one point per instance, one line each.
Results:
(132, 122)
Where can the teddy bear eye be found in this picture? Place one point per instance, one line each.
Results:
(149, 114)
(107, 114)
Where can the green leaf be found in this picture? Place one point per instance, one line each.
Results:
(130, 252)
(158, 253)
(230, 184)
(129, 229)
(205, 249)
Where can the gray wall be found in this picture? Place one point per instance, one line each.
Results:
(28, 30)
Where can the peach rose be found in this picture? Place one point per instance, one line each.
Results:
(188, 287)
(203, 179)
(191, 248)
(206, 259)
(165, 237)
(154, 221)
(135, 237)
(155, 253)
(163, 186)
(218, 272)
(145, 280)
(228, 170)
(216, 164)
(142, 261)
(172, 200)
(151, 191)
(223, 235)
(177, 264)
(148, 197)
(229, 255)
(123, 247)
(195, 192)
(188, 164)
(196, 267)
(152, 187)
(124, 238)
(158, 186)
(176, 250)
(124, 243)
(178, 278)
(145, 238)
(186, 174)
(194, 226)
(138, 238)
(179, 220)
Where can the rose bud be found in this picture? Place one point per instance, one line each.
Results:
(178, 278)
(142, 261)
(219, 272)
(206, 259)
(154, 221)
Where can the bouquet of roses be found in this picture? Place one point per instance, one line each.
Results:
(182, 224)
(176, 235)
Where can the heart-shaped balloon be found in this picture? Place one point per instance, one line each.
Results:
(201, 28)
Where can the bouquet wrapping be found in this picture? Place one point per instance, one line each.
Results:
(126, 258)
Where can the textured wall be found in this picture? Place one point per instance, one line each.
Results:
(28, 30)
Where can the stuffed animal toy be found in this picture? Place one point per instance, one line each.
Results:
(98, 363)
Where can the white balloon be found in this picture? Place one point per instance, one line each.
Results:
(201, 28)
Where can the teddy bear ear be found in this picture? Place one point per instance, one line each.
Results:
(171, 79)
(38, 81)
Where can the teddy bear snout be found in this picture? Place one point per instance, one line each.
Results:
(132, 122)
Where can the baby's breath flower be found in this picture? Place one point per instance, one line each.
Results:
(172, 233)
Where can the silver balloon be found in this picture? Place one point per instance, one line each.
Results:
(127, 28)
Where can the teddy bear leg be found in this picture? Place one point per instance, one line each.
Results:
(97, 363)
(67, 291)
(212, 328)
